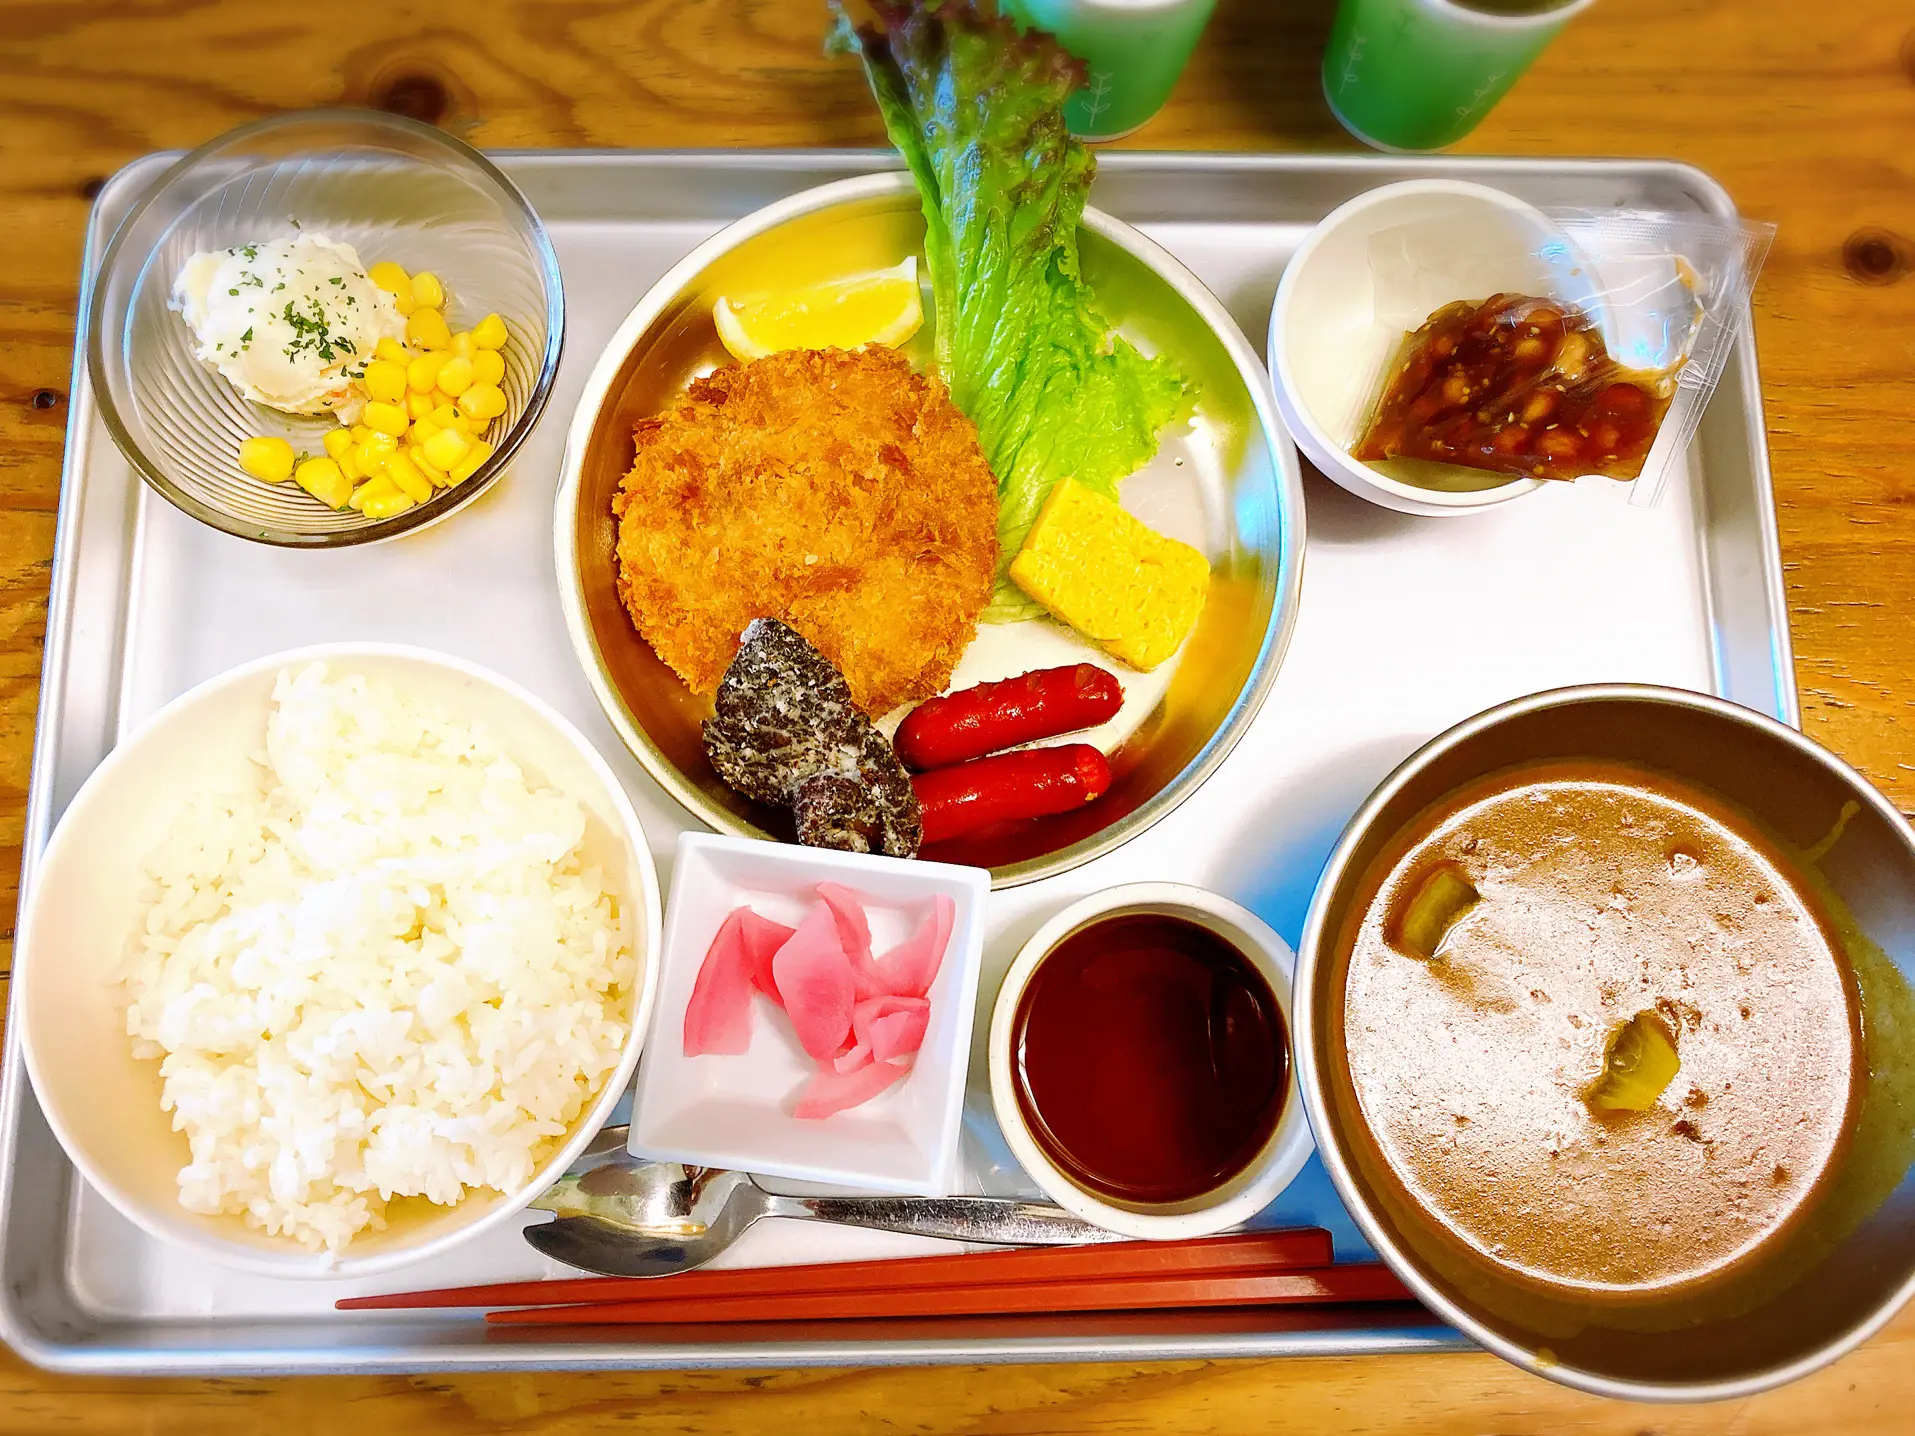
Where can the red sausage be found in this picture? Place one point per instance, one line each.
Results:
(993, 716)
(1027, 784)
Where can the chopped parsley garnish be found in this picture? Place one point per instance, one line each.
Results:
(337, 279)
(232, 291)
(251, 251)
(246, 339)
(311, 332)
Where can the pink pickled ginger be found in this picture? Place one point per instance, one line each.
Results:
(763, 938)
(814, 980)
(911, 967)
(860, 1018)
(847, 907)
(832, 1092)
(718, 1017)
(851, 1059)
(892, 1027)
(854, 926)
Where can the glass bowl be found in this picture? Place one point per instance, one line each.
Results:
(391, 188)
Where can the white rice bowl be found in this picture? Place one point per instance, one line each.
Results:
(383, 973)
(380, 977)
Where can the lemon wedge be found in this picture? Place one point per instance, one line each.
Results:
(877, 308)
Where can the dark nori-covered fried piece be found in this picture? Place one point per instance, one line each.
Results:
(786, 732)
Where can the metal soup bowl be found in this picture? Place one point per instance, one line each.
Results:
(1855, 1263)
(1231, 485)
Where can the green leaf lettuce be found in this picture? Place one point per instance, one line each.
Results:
(977, 111)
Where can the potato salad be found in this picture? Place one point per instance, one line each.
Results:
(290, 323)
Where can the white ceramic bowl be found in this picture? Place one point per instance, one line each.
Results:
(103, 1105)
(1263, 1179)
(1372, 271)
(729, 1111)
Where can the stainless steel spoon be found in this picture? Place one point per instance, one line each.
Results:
(622, 1216)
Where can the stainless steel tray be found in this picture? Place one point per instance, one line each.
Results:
(1406, 626)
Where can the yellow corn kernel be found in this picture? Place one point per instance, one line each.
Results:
(423, 428)
(358, 500)
(323, 479)
(374, 452)
(425, 466)
(427, 328)
(489, 332)
(383, 498)
(382, 507)
(385, 380)
(386, 419)
(395, 281)
(359, 432)
(427, 291)
(390, 350)
(349, 465)
(423, 373)
(446, 448)
(267, 459)
(337, 442)
(462, 344)
(476, 454)
(403, 472)
(443, 414)
(487, 367)
(482, 403)
(419, 405)
(455, 376)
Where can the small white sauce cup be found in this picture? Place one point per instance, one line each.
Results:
(1264, 1177)
(1372, 271)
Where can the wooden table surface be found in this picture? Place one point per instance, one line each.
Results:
(1806, 113)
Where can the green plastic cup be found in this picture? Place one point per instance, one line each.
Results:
(1134, 50)
(1421, 74)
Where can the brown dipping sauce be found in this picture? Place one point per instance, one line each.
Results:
(1605, 890)
(1150, 1059)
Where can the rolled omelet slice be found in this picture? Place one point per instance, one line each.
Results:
(1124, 586)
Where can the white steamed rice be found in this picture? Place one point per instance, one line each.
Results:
(387, 972)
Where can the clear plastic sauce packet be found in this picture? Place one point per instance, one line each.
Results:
(1492, 382)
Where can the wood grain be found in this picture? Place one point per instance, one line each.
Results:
(1806, 113)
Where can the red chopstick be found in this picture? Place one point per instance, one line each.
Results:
(1321, 1285)
(1244, 1252)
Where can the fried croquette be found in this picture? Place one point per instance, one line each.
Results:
(841, 492)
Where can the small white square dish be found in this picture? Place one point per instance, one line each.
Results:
(734, 1111)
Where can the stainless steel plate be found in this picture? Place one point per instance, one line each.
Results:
(1226, 483)
(1405, 627)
